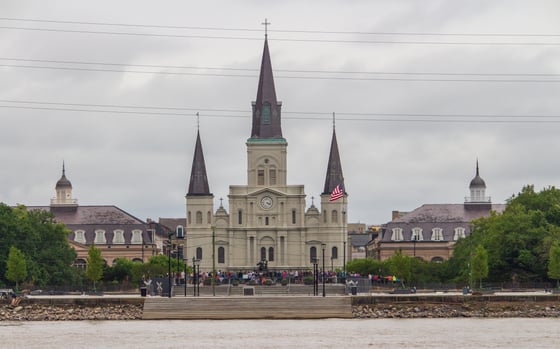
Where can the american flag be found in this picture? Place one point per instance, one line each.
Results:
(337, 193)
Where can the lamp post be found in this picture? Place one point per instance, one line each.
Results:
(323, 247)
(414, 238)
(197, 269)
(185, 260)
(194, 276)
(315, 276)
(169, 246)
(344, 262)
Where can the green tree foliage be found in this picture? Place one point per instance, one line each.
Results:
(44, 242)
(554, 262)
(517, 240)
(95, 264)
(16, 266)
(479, 264)
(400, 266)
(366, 266)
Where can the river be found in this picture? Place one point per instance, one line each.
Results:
(299, 334)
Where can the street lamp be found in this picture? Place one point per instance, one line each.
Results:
(323, 247)
(169, 246)
(196, 263)
(185, 260)
(315, 262)
(414, 238)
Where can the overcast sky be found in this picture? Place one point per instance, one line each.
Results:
(421, 89)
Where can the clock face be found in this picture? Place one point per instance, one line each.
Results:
(266, 202)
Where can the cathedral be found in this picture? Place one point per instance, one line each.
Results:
(268, 222)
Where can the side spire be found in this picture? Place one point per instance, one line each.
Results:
(266, 108)
(198, 184)
(334, 167)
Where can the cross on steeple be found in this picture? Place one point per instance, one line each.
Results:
(333, 121)
(266, 23)
(197, 121)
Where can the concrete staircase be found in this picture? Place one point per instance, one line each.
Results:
(247, 307)
(274, 290)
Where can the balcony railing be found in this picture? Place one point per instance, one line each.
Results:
(483, 199)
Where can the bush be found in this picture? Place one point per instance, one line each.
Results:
(268, 282)
(308, 280)
(284, 282)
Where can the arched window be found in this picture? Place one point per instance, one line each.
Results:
(334, 216)
(266, 113)
(272, 176)
(459, 233)
(118, 237)
(417, 234)
(100, 237)
(79, 236)
(199, 253)
(437, 260)
(312, 254)
(271, 254)
(263, 253)
(397, 234)
(221, 255)
(239, 217)
(136, 237)
(437, 234)
(334, 252)
(189, 218)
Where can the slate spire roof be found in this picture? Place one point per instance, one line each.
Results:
(198, 184)
(63, 182)
(266, 109)
(334, 168)
(477, 181)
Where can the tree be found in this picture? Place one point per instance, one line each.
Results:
(400, 266)
(16, 266)
(94, 269)
(49, 256)
(554, 262)
(479, 264)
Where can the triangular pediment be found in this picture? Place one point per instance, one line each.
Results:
(268, 191)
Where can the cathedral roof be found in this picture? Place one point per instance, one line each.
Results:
(266, 109)
(63, 182)
(334, 168)
(198, 184)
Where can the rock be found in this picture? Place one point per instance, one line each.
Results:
(18, 309)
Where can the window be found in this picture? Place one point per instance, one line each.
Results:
(334, 252)
(189, 218)
(198, 217)
(325, 216)
(260, 177)
(136, 237)
(80, 264)
(437, 234)
(266, 221)
(334, 216)
(272, 176)
(263, 253)
(209, 217)
(312, 254)
(221, 255)
(397, 234)
(294, 216)
(271, 254)
(266, 113)
(79, 236)
(199, 253)
(239, 216)
(100, 237)
(118, 237)
(417, 234)
(459, 233)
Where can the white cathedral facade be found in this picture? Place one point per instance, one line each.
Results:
(267, 219)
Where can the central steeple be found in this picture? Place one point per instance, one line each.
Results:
(266, 109)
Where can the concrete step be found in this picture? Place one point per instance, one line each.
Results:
(248, 307)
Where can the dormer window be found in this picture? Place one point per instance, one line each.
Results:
(397, 235)
(417, 234)
(79, 236)
(459, 233)
(437, 234)
(136, 237)
(118, 237)
(100, 237)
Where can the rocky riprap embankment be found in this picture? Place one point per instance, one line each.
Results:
(424, 310)
(44, 312)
